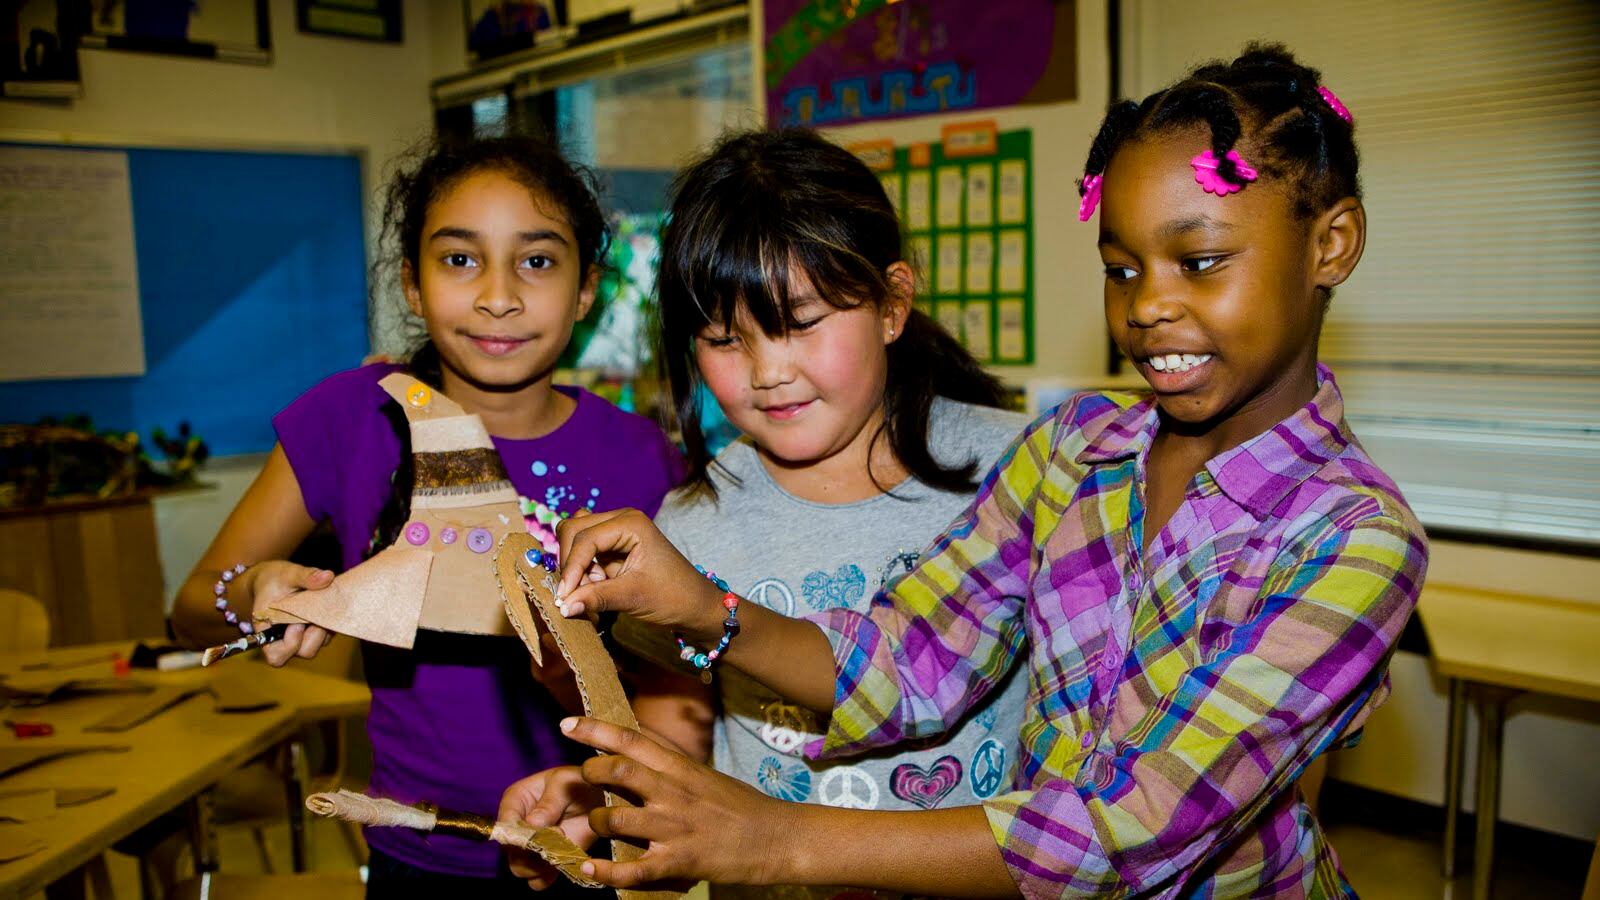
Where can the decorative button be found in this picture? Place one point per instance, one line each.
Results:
(1088, 739)
(417, 534)
(479, 540)
(534, 556)
(448, 536)
(418, 395)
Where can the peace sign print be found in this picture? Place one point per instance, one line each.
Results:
(988, 770)
(774, 595)
(847, 787)
(786, 729)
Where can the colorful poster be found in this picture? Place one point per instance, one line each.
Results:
(832, 62)
(968, 231)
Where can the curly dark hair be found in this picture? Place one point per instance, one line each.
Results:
(421, 177)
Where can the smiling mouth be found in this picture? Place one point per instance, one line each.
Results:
(787, 411)
(497, 345)
(1177, 363)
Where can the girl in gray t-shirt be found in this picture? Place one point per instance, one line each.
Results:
(865, 430)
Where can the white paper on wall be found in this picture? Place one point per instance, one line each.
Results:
(69, 284)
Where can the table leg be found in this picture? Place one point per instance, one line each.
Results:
(1455, 755)
(202, 834)
(1491, 703)
(294, 787)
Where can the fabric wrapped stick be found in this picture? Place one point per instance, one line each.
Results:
(549, 843)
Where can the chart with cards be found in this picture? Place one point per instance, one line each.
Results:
(964, 207)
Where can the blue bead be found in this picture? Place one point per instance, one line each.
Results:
(700, 661)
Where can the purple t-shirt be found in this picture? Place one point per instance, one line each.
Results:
(459, 717)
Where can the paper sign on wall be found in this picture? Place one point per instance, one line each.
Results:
(69, 283)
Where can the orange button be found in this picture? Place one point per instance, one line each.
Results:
(418, 395)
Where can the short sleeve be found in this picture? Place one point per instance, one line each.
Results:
(315, 435)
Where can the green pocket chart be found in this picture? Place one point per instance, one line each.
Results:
(965, 208)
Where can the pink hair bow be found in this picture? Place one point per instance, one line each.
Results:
(1091, 197)
(1205, 172)
(1339, 109)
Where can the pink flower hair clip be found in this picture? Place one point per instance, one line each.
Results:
(1205, 172)
(1339, 109)
(1091, 197)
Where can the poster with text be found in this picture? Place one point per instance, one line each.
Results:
(833, 62)
(69, 284)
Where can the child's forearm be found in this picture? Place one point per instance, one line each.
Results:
(944, 852)
(791, 657)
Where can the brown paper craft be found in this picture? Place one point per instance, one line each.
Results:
(438, 575)
(37, 690)
(15, 759)
(63, 796)
(16, 842)
(26, 806)
(549, 843)
(526, 587)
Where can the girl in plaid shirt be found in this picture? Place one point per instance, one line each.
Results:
(1205, 584)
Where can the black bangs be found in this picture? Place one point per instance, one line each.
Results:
(738, 244)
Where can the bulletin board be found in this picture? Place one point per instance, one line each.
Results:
(964, 204)
(252, 287)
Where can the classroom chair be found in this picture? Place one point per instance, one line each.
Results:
(24, 623)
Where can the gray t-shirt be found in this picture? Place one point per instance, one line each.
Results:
(797, 557)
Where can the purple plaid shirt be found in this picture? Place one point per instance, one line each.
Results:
(1176, 693)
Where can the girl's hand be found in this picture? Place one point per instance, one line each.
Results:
(644, 575)
(266, 583)
(701, 825)
(557, 798)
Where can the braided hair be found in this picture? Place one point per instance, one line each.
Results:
(1264, 96)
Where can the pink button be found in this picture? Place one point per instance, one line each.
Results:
(448, 536)
(417, 534)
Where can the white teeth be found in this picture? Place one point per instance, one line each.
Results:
(1178, 362)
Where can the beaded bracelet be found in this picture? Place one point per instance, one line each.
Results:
(221, 590)
(730, 627)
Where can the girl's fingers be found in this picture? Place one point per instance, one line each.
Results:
(647, 869)
(629, 822)
(312, 641)
(624, 741)
(628, 775)
(285, 648)
(584, 540)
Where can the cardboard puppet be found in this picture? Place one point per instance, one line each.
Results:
(465, 563)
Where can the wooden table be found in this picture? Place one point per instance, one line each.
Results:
(173, 757)
(1495, 646)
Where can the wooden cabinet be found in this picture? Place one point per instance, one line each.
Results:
(94, 564)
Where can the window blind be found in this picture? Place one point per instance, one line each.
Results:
(1468, 341)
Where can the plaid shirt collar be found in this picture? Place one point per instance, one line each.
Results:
(1258, 473)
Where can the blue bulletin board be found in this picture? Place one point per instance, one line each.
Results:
(252, 286)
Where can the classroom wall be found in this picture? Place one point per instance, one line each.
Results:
(1069, 334)
(318, 92)
(345, 92)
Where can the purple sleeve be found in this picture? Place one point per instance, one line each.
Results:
(666, 467)
(315, 434)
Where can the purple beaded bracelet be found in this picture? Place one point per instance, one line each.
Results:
(221, 590)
